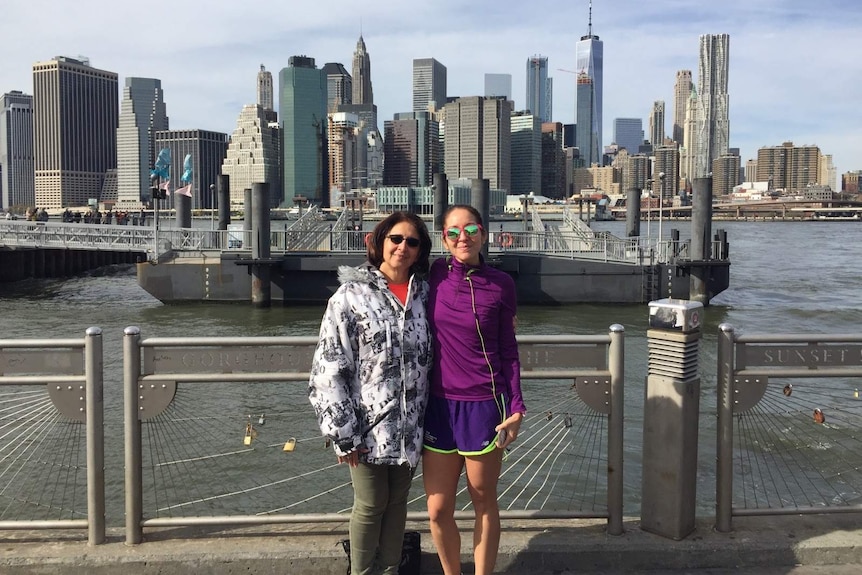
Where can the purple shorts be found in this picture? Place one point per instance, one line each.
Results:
(464, 427)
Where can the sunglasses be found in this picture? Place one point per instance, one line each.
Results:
(398, 238)
(472, 230)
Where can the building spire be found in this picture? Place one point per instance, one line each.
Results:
(590, 20)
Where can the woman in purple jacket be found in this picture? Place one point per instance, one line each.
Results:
(475, 407)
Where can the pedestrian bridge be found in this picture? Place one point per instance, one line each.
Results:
(312, 233)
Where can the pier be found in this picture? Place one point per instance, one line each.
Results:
(552, 263)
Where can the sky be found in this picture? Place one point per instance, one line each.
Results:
(795, 66)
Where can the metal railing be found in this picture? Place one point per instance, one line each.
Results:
(51, 389)
(77, 236)
(305, 235)
(788, 448)
(181, 429)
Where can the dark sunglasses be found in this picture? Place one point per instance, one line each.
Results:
(398, 238)
(472, 230)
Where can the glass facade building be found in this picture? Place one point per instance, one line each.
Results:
(429, 84)
(302, 94)
(629, 134)
(339, 86)
(586, 138)
(412, 149)
(539, 89)
(498, 85)
(17, 187)
(589, 59)
(526, 154)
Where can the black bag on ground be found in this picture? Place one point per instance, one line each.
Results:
(411, 553)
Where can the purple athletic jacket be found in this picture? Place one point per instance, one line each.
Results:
(461, 370)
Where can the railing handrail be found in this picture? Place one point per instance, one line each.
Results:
(547, 362)
(740, 386)
(84, 358)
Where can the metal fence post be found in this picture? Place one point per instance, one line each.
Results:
(724, 432)
(616, 365)
(132, 426)
(94, 373)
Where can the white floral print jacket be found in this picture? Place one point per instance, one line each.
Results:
(369, 376)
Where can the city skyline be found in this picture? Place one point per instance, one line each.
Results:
(776, 93)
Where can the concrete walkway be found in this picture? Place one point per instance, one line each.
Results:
(767, 545)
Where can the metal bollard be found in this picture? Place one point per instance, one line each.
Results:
(671, 408)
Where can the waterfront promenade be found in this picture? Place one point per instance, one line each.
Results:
(761, 293)
(822, 544)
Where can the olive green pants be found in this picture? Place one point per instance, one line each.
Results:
(378, 517)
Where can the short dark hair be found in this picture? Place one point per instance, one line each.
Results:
(374, 243)
(473, 211)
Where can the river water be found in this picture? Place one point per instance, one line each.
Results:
(788, 277)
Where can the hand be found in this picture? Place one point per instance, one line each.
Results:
(512, 425)
(352, 458)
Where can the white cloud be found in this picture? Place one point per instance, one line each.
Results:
(794, 69)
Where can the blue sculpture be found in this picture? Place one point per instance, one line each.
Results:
(187, 169)
(162, 168)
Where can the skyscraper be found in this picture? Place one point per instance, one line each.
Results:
(539, 88)
(75, 118)
(339, 86)
(367, 114)
(412, 149)
(142, 113)
(589, 58)
(253, 155)
(725, 174)
(553, 161)
(264, 89)
(586, 138)
(207, 150)
(713, 128)
(429, 84)
(788, 167)
(629, 134)
(478, 140)
(302, 93)
(689, 152)
(656, 124)
(498, 85)
(362, 92)
(343, 139)
(681, 95)
(17, 187)
(666, 162)
(526, 172)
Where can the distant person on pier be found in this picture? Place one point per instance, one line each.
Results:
(369, 384)
(475, 408)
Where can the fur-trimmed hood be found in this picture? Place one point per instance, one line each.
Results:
(363, 273)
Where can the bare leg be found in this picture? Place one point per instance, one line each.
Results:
(483, 472)
(440, 472)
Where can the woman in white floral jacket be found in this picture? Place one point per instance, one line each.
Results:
(369, 384)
